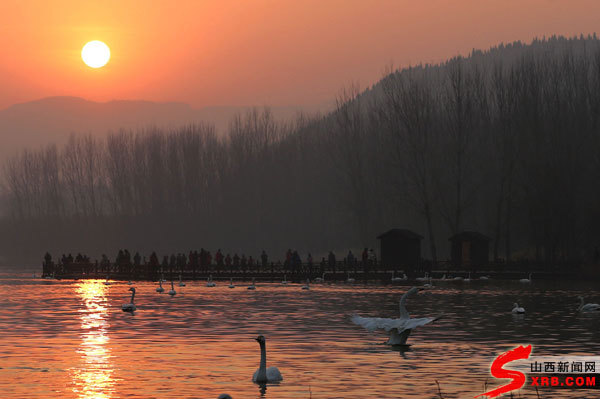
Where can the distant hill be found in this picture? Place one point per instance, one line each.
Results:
(53, 119)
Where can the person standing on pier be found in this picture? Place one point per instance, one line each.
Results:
(164, 266)
(219, 258)
(264, 259)
(296, 262)
(236, 262)
(244, 263)
(331, 261)
(228, 263)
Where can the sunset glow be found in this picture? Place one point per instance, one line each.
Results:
(229, 52)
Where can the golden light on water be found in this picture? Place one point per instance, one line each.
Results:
(93, 377)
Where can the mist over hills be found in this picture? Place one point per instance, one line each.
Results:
(52, 119)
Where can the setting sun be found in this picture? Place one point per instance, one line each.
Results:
(95, 54)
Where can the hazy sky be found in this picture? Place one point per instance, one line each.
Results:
(253, 52)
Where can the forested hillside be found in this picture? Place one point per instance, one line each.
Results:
(505, 142)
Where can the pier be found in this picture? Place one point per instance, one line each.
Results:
(342, 272)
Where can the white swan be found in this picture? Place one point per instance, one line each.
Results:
(160, 287)
(349, 279)
(209, 282)
(399, 329)
(397, 279)
(587, 307)
(264, 374)
(526, 280)
(468, 279)
(458, 278)
(181, 283)
(429, 284)
(320, 279)
(172, 290)
(129, 307)
(517, 308)
(107, 282)
(284, 281)
(231, 283)
(252, 286)
(306, 286)
(484, 278)
(425, 278)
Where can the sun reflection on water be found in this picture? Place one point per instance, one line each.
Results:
(93, 377)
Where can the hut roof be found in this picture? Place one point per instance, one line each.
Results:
(404, 233)
(469, 235)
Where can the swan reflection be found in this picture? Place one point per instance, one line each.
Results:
(93, 377)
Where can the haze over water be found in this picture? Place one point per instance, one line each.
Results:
(70, 339)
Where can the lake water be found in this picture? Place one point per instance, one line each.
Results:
(70, 339)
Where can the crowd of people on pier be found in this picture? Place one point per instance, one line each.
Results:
(204, 259)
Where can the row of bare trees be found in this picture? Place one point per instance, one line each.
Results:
(505, 142)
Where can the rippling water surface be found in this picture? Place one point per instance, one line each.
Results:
(70, 339)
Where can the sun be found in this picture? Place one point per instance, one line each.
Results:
(95, 54)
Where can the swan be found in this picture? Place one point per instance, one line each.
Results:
(458, 278)
(224, 396)
(231, 283)
(129, 282)
(129, 307)
(284, 281)
(209, 282)
(252, 286)
(517, 308)
(425, 278)
(107, 282)
(172, 290)
(468, 279)
(160, 287)
(396, 279)
(349, 279)
(399, 329)
(306, 286)
(181, 283)
(320, 279)
(587, 307)
(264, 374)
(429, 284)
(484, 278)
(526, 280)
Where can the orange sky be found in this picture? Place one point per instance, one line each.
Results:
(253, 52)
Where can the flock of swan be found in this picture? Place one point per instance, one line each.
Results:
(399, 329)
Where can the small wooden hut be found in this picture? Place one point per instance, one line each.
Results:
(470, 249)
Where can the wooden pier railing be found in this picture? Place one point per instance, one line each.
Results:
(341, 271)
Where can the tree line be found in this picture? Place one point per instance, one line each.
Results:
(505, 142)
